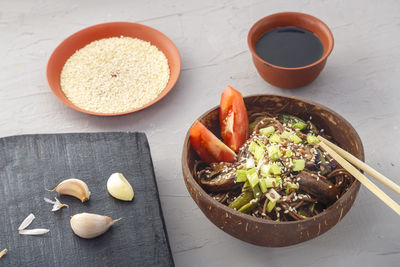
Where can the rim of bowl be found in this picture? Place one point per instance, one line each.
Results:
(299, 14)
(71, 105)
(185, 151)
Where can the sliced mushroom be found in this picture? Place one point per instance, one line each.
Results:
(218, 177)
(321, 189)
(320, 164)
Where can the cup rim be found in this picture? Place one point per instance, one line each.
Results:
(297, 14)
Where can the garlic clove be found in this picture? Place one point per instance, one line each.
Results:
(73, 187)
(90, 225)
(38, 231)
(119, 187)
(25, 223)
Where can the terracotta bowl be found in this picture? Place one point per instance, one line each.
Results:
(290, 77)
(113, 29)
(260, 231)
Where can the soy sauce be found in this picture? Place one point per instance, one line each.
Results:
(289, 47)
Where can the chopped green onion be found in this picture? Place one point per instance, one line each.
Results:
(252, 147)
(264, 170)
(275, 139)
(273, 195)
(286, 135)
(252, 177)
(270, 182)
(261, 144)
(311, 139)
(247, 208)
(288, 153)
(241, 200)
(267, 131)
(275, 169)
(241, 176)
(274, 152)
(290, 186)
(260, 163)
(278, 180)
(271, 205)
(300, 125)
(295, 139)
(250, 163)
(259, 153)
(299, 164)
(256, 191)
(263, 185)
(246, 186)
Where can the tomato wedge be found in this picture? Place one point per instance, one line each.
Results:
(233, 119)
(209, 148)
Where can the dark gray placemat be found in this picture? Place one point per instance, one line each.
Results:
(31, 163)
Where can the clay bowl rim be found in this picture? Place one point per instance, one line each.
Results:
(190, 178)
(325, 55)
(171, 82)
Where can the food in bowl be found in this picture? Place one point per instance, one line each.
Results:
(279, 173)
(259, 231)
(298, 63)
(289, 47)
(116, 74)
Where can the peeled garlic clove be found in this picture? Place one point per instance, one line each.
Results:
(90, 225)
(119, 187)
(73, 187)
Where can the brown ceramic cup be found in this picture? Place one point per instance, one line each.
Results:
(290, 77)
(263, 232)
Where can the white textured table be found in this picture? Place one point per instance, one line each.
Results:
(361, 82)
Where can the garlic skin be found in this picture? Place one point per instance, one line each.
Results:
(90, 225)
(3, 252)
(26, 222)
(73, 187)
(57, 205)
(119, 187)
(37, 231)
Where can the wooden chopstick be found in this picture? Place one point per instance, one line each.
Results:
(361, 165)
(360, 177)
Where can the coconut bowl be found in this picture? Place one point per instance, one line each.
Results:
(265, 232)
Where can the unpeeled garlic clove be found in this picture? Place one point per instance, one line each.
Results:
(119, 187)
(73, 187)
(90, 225)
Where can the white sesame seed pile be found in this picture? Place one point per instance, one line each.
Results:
(114, 75)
